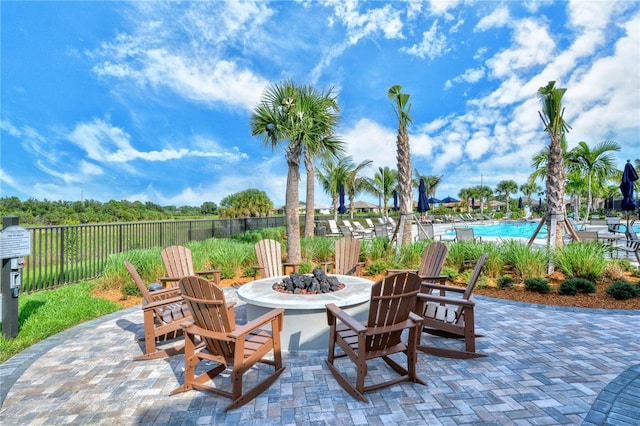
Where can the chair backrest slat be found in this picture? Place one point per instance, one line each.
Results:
(347, 255)
(177, 261)
(392, 299)
(208, 308)
(269, 254)
(433, 258)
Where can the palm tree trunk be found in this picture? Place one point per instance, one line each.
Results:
(292, 214)
(404, 182)
(310, 215)
(555, 192)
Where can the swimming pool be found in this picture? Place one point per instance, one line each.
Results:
(514, 229)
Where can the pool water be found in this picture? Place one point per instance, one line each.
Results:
(510, 230)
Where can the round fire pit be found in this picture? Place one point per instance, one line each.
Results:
(305, 320)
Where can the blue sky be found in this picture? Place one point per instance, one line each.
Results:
(151, 101)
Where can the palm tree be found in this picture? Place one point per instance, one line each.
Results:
(301, 117)
(484, 193)
(506, 187)
(598, 162)
(431, 182)
(465, 194)
(333, 173)
(402, 107)
(555, 126)
(528, 189)
(382, 184)
(354, 184)
(323, 108)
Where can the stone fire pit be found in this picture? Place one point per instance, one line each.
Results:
(305, 319)
(317, 282)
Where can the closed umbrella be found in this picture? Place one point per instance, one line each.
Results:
(473, 202)
(629, 175)
(395, 201)
(520, 206)
(423, 204)
(540, 203)
(342, 209)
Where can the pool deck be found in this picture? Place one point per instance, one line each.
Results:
(545, 365)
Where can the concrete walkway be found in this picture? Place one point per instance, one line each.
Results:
(546, 365)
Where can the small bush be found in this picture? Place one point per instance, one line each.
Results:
(614, 271)
(250, 272)
(483, 282)
(573, 286)
(450, 273)
(129, 288)
(377, 267)
(622, 290)
(305, 268)
(505, 281)
(538, 285)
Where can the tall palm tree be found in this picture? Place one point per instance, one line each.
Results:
(402, 108)
(552, 118)
(301, 117)
(323, 108)
(598, 162)
(507, 187)
(382, 184)
(484, 193)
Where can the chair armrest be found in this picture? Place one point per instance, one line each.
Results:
(438, 278)
(446, 300)
(334, 312)
(372, 331)
(191, 328)
(398, 271)
(274, 314)
(215, 273)
(165, 293)
(162, 302)
(165, 280)
(259, 270)
(443, 287)
(294, 266)
(325, 265)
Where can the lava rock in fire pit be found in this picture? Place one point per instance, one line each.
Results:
(317, 282)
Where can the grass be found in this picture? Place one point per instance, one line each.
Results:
(48, 312)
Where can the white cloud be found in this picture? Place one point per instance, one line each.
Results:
(496, 19)
(433, 44)
(368, 140)
(533, 45)
(470, 75)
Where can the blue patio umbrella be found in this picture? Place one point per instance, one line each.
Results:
(342, 209)
(423, 204)
(629, 176)
(520, 206)
(395, 201)
(433, 200)
(449, 200)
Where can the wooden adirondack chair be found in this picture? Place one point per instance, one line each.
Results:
(587, 236)
(433, 257)
(392, 300)
(178, 263)
(269, 254)
(451, 316)
(164, 314)
(347, 254)
(232, 347)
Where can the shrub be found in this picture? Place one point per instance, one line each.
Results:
(622, 290)
(582, 259)
(538, 285)
(573, 286)
(379, 248)
(463, 253)
(305, 267)
(377, 267)
(129, 288)
(317, 249)
(524, 260)
(450, 273)
(505, 281)
(483, 281)
(614, 271)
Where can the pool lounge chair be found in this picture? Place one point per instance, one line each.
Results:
(334, 230)
(466, 234)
